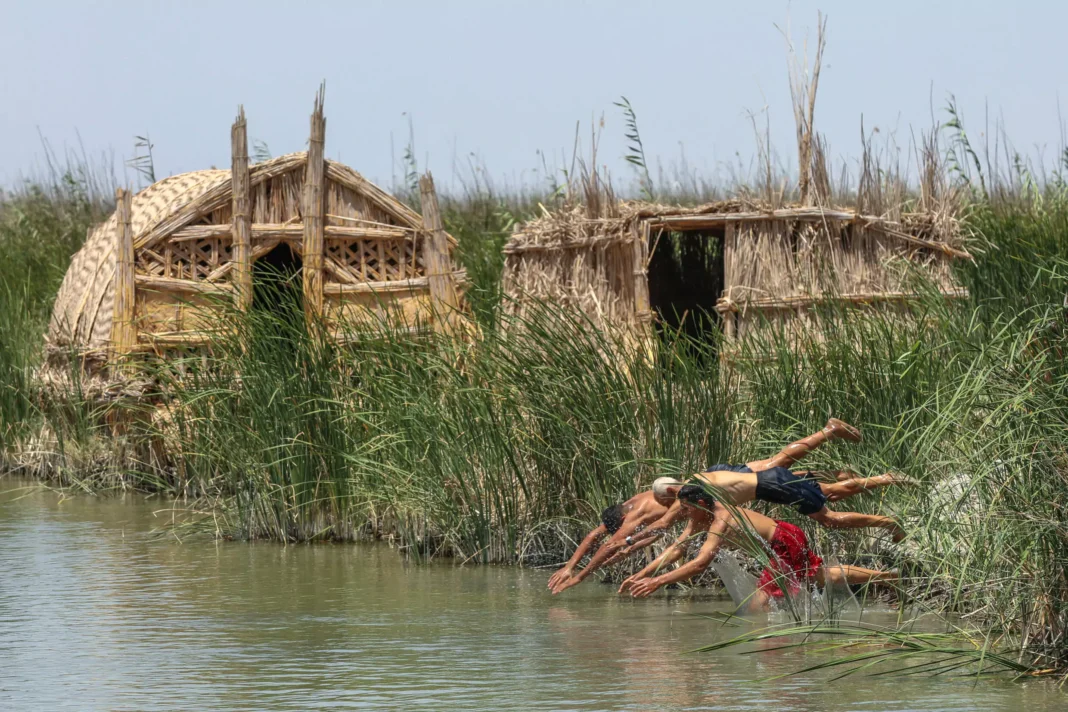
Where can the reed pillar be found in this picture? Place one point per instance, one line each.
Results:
(729, 232)
(436, 250)
(312, 249)
(123, 335)
(241, 220)
(640, 238)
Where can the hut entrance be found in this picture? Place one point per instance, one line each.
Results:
(277, 285)
(685, 279)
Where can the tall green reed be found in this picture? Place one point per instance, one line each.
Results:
(42, 223)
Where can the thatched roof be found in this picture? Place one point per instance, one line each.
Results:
(573, 228)
(82, 315)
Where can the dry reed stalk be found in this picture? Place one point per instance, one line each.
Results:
(803, 96)
(312, 247)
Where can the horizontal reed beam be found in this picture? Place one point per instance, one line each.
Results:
(570, 245)
(400, 285)
(291, 232)
(725, 305)
(181, 286)
(177, 338)
(696, 222)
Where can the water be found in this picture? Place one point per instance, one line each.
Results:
(97, 615)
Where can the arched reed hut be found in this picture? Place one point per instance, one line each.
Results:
(168, 264)
(740, 263)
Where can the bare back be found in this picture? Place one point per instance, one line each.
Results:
(737, 487)
(642, 508)
(738, 533)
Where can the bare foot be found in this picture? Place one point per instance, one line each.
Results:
(896, 478)
(843, 430)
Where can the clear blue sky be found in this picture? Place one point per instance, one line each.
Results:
(504, 79)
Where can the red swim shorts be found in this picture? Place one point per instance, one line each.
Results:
(792, 559)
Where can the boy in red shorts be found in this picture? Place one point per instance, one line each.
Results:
(792, 562)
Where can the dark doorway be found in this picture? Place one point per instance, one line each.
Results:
(685, 281)
(277, 283)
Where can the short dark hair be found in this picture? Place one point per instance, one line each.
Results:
(612, 518)
(695, 495)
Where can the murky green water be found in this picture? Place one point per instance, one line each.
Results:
(95, 615)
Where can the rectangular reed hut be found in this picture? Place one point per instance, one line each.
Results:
(166, 271)
(743, 264)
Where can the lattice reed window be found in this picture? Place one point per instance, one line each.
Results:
(197, 260)
(377, 260)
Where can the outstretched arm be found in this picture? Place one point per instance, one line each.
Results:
(611, 550)
(633, 548)
(667, 557)
(656, 530)
(588, 543)
(643, 588)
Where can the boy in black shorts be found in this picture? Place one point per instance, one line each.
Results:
(771, 481)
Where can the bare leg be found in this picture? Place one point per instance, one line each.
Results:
(856, 520)
(758, 602)
(848, 487)
(840, 575)
(839, 475)
(793, 452)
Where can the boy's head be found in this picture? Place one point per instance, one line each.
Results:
(612, 518)
(665, 489)
(696, 496)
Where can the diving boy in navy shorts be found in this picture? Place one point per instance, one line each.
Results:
(772, 481)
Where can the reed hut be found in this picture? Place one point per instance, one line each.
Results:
(744, 264)
(163, 273)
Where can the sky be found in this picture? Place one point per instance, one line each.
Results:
(491, 84)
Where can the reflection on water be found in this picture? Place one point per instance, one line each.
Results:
(94, 614)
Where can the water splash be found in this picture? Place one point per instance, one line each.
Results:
(740, 584)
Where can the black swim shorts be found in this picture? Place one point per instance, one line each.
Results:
(780, 486)
(729, 468)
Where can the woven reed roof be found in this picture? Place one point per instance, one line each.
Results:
(82, 314)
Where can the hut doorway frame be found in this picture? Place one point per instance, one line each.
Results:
(685, 275)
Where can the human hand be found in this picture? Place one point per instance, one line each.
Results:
(565, 584)
(641, 589)
(630, 581)
(559, 577)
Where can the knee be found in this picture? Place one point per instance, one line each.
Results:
(850, 487)
(835, 576)
(827, 518)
